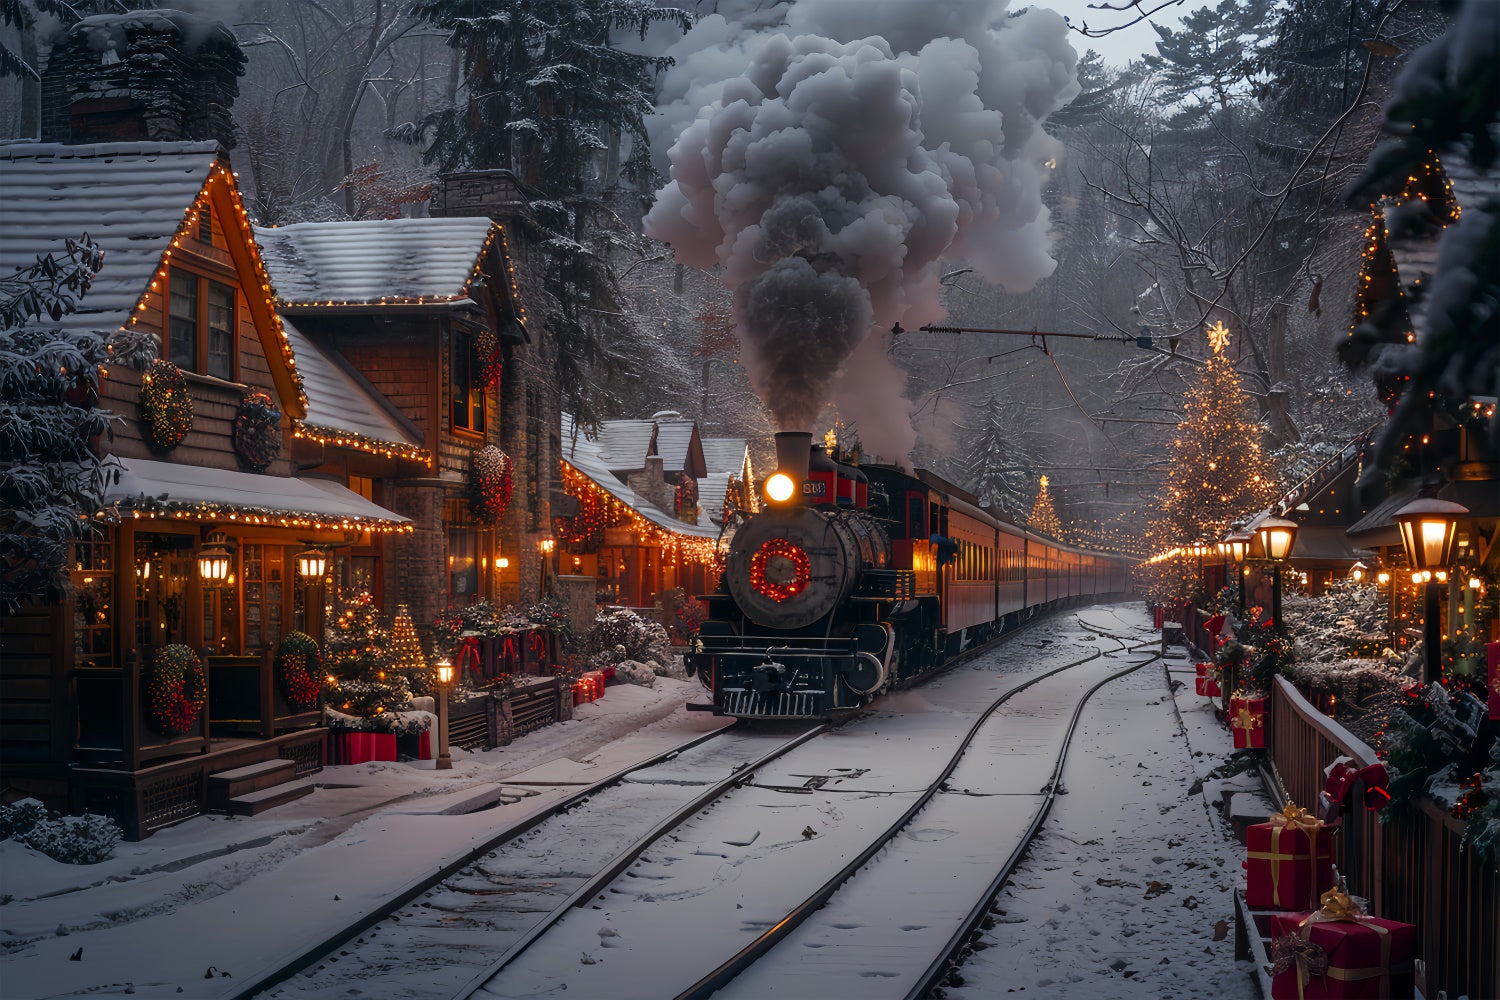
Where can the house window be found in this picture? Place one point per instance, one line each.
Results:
(200, 325)
(468, 395)
(469, 546)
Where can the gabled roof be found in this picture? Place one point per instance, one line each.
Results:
(624, 444)
(678, 445)
(343, 409)
(724, 454)
(376, 262)
(711, 492)
(587, 457)
(131, 198)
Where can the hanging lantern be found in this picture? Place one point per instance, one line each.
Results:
(214, 560)
(312, 564)
(1428, 527)
(1238, 546)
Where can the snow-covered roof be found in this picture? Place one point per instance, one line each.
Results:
(338, 400)
(375, 262)
(131, 198)
(623, 444)
(216, 493)
(724, 454)
(677, 443)
(711, 492)
(586, 456)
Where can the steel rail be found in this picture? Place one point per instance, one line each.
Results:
(626, 858)
(748, 955)
(950, 957)
(329, 944)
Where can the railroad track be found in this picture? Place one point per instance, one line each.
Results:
(737, 890)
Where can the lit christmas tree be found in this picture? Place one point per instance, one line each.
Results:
(1219, 472)
(406, 654)
(1043, 516)
(362, 679)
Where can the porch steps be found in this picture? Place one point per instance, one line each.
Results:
(254, 788)
(254, 803)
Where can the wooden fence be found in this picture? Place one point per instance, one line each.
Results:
(1412, 870)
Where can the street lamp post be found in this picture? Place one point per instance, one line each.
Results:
(1277, 536)
(443, 761)
(311, 565)
(1238, 545)
(1428, 528)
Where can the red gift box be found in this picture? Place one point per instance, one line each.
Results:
(1158, 615)
(1205, 683)
(357, 748)
(1288, 861)
(1366, 957)
(1247, 718)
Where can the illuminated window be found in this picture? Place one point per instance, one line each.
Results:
(468, 395)
(200, 325)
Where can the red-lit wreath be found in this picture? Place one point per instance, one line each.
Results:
(175, 690)
(784, 561)
(299, 670)
(164, 405)
(491, 480)
(257, 430)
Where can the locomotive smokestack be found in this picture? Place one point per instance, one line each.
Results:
(793, 450)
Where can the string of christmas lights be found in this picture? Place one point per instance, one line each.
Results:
(600, 509)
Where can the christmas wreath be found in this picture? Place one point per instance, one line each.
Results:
(257, 430)
(491, 480)
(175, 690)
(165, 407)
(299, 670)
(491, 364)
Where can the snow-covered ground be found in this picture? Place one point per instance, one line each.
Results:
(1128, 891)
(244, 895)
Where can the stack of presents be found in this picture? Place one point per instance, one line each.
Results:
(1322, 943)
(1246, 710)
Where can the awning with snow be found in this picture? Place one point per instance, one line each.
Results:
(191, 492)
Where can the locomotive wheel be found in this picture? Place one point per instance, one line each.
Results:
(862, 678)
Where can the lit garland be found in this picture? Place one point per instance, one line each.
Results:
(176, 690)
(783, 557)
(600, 509)
(491, 481)
(358, 442)
(144, 506)
(257, 430)
(299, 667)
(165, 406)
(220, 173)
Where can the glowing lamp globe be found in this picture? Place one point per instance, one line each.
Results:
(445, 671)
(312, 564)
(1428, 527)
(1277, 536)
(780, 487)
(1238, 545)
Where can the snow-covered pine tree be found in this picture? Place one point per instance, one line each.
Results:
(49, 380)
(548, 96)
(362, 677)
(1043, 516)
(995, 467)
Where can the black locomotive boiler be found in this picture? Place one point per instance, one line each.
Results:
(851, 581)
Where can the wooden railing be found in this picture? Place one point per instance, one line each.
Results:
(1413, 869)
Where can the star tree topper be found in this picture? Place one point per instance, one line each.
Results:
(1218, 337)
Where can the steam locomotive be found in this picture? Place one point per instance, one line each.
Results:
(854, 580)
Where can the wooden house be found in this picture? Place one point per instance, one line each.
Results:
(197, 543)
(423, 317)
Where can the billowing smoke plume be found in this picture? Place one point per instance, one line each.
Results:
(827, 153)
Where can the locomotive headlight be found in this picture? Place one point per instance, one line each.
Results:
(780, 487)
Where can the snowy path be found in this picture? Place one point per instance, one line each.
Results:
(717, 883)
(1120, 896)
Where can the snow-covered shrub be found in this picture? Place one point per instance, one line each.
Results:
(644, 640)
(17, 818)
(74, 840)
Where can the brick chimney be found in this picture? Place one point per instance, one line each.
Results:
(147, 75)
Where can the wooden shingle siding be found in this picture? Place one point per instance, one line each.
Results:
(29, 650)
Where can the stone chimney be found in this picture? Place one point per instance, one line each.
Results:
(651, 484)
(490, 194)
(147, 75)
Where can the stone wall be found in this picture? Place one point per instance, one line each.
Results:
(415, 569)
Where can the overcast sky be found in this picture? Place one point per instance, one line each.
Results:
(1119, 47)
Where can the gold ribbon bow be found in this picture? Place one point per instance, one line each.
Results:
(1295, 815)
(1246, 719)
